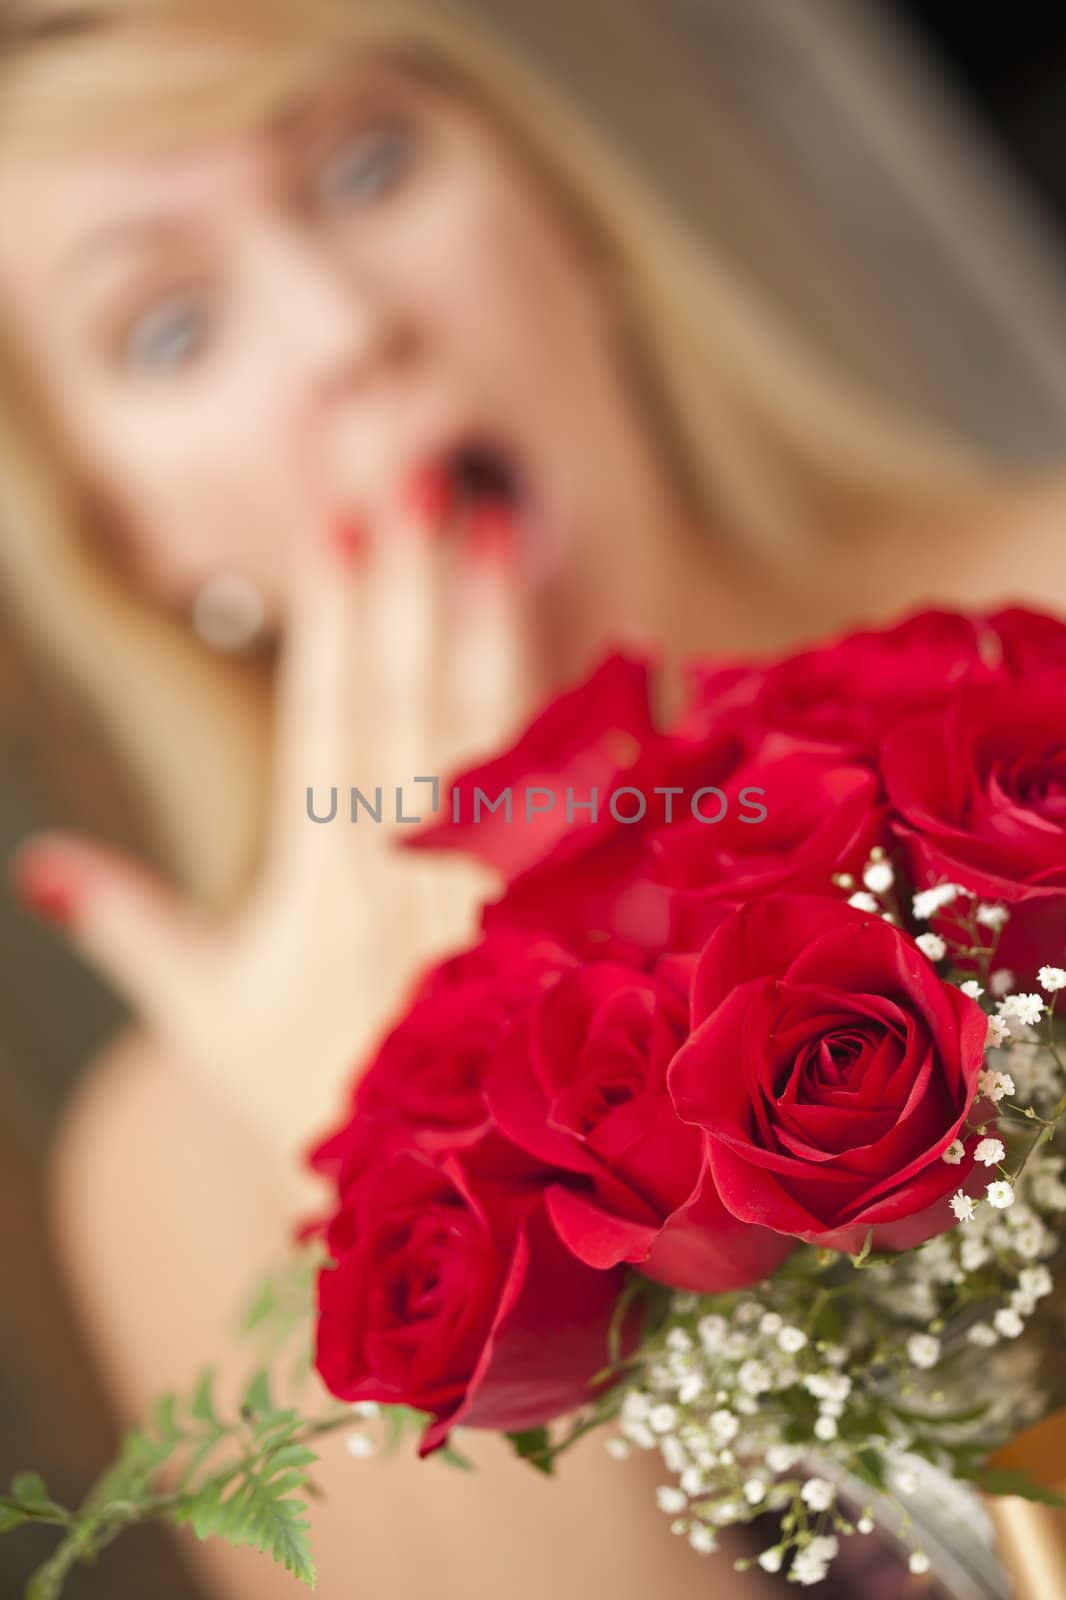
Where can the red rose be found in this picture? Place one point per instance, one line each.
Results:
(830, 1068)
(847, 694)
(423, 1086)
(1030, 642)
(981, 790)
(821, 816)
(452, 1294)
(586, 738)
(634, 894)
(580, 1084)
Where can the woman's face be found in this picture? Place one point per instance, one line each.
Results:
(317, 314)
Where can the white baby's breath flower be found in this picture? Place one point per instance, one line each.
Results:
(1052, 979)
(992, 916)
(971, 989)
(678, 1340)
(1002, 981)
(1008, 1322)
(770, 1323)
(962, 1205)
(995, 1085)
(983, 1336)
(671, 1499)
(771, 1560)
(724, 1426)
(818, 1494)
(1035, 1281)
(1000, 1194)
(702, 1539)
(359, 1445)
(825, 1428)
(812, 1562)
(973, 1253)
(932, 945)
(755, 1377)
(990, 1152)
(690, 1388)
(879, 877)
(791, 1340)
(712, 1330)
(619, 1449)
(998, 1031)
(1025, 1008)
(365, 1408)
(918, 1561)
(928, 902)
(923, 1349)
(865, 1525)
(663, 1418)
(754, 1491)
(782, 1457)
(954, 1153)
(863, 901)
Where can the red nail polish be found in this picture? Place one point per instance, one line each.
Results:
(348, 538)
(490, 534)
(47, 889)
(429, 496)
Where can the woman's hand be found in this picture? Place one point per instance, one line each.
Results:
(405, 655)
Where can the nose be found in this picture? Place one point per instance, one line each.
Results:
(335, 324)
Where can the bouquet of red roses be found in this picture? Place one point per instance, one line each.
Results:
(732, 1133)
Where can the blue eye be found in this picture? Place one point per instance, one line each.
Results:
(365, 168)
(166, 337)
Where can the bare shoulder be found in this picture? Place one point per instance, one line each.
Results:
(119, 1095)
(1009, 545)
(156, 1205)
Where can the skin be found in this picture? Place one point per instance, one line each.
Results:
(334, 329)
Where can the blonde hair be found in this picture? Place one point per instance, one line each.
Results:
(770, 447)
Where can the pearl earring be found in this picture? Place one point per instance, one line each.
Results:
(228, 612)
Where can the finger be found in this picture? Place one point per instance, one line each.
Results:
(127, 924)
(405, 628)
(494, 668)
(322, 693)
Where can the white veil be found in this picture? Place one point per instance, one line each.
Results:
(839, 167)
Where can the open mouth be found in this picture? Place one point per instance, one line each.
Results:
(482, 472)
(479, 481)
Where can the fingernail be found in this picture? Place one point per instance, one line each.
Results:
(46, 888)
(490, 534)
(348, 539)
(428, 495)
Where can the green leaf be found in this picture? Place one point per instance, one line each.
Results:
(260, 1308)
(1000, 1480)
(257, 1397)
(534, 1446)
(203, 1403)
(164, 1419)
(254, 1513)
(12, 1516)
(30, 1490)
(401, 1420)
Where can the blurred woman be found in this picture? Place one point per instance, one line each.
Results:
(331, 336)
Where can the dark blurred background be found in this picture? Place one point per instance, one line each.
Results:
(1008, 70)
